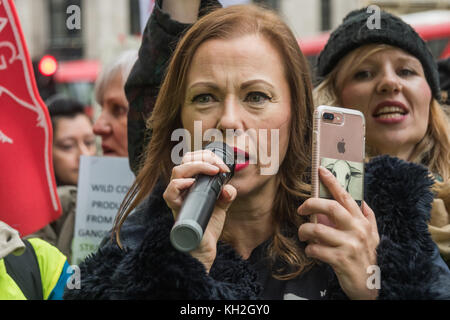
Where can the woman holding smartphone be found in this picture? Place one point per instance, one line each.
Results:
(240, 68)
(390, 76)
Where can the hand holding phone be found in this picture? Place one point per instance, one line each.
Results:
(347, 236)
(339, 146)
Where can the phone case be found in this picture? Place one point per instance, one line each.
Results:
(339, 146)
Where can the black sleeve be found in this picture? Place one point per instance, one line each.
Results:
(159, 40)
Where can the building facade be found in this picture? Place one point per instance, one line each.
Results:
(77, 29)
(108, 26)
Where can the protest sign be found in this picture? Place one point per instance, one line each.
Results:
(102, 184)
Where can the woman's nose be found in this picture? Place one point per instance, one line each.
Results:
(231, 117)
(102, 126)
(389, 82)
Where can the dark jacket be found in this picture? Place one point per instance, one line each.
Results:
(150, 268)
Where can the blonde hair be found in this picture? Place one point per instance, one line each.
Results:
(228, 23)
(122, 66)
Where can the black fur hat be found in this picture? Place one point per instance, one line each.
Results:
(358, 29)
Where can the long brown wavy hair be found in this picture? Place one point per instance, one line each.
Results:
(293, 174)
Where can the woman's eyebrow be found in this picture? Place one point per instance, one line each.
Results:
(249, 83)
(207, 84)
(244, 85)
(65, 139)
(409, 60)
(402, 59)
(112, 102)
(114, 98)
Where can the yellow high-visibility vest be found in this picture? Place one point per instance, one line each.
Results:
(51, 263)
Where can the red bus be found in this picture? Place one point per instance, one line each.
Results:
(76, 79)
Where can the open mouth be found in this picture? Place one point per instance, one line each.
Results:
(390, 111)
(108, 151)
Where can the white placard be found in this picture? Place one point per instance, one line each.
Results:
(102, 184)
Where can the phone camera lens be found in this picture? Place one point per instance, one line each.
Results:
(328, 116)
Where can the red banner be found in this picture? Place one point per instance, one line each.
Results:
(28, 197)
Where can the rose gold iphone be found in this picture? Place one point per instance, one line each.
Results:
(339, 146)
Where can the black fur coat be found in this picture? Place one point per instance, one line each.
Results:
(150, 268)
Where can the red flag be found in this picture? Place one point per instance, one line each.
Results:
(28, 197)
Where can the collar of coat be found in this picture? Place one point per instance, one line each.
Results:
(149, 268)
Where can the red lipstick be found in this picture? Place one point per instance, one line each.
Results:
(390, 112)
(241, 155)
